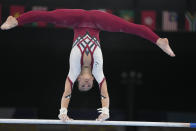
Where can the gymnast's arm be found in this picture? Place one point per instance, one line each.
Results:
(65, 101)
(66, 95)
(63, 17)
(105, 102)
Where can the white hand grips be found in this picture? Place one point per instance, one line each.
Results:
(63, 111)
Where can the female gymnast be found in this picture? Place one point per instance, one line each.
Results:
(86, 58)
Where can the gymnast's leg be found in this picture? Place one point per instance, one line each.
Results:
(108, 22)
(63, 17)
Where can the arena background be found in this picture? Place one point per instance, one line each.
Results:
(144, 83)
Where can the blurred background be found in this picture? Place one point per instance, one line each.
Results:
(144, 83)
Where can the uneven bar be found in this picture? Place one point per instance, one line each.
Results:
(98, 123)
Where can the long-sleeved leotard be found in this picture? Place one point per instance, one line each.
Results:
(87, 25)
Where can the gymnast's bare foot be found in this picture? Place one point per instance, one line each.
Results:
(163, 43)
(11, 22)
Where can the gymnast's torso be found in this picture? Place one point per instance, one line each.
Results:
(86, 50)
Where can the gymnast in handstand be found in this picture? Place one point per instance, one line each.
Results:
(86, 61)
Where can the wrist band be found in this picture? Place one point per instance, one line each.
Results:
(63, 111)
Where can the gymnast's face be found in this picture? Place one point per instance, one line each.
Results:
(85, 82)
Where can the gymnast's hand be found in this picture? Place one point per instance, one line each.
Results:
(11, 22)
(102, 117)
(104, 114)
(63, 115)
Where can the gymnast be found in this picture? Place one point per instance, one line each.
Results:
(86, 61)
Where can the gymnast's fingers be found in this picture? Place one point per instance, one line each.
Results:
(63, 117)
(102, 117)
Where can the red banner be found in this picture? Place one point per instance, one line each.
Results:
(149, 19)
(16, 10)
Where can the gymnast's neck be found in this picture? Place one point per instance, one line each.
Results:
(86, 69)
